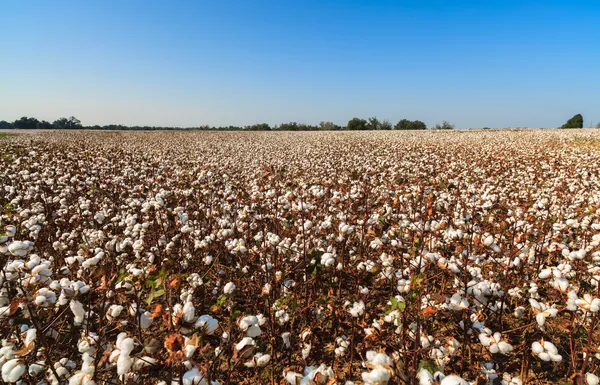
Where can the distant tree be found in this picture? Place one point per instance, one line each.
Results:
(575, 122)
(357, 124)
(385, 125)
(403, 124)
(67, 123)
(26, 123)
(291, 126)
(4, 125)
(417, 125)
(444, 126)
(598, 125)
(328, 126)
(373, 124)
(43, 125)
(259, 127)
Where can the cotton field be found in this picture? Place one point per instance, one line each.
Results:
(203, 258)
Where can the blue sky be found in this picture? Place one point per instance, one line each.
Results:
(473, 63)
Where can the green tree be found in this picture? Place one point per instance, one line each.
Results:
(259, 127)
(598, 125)
(43, 125)
(4, 125)
(327, 126)
(575, 122)
(444, 126)
(26, 123)
(357, 124)
(417, 125)
(385, 125)
(403, 124)
(67, 123)
(374, 123)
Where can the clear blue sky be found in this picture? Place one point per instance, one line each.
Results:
(475, 63)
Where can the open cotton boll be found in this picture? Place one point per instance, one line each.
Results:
(250, 324)
(189, 311)
(18, 248)
(588, 303)
(229, 288)
(124, 361)
(453, 380)
(78, 311)
(114, 311)
(327, 259)
(357, 309)
(381, 365)
(592, 379)
(146, 320)
(12, 370)
(207, 324)
(194, 377)
(258, 360)
(81, 378)
(546, 351)
(377, 376)
(425, 377)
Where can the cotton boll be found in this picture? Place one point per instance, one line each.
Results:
(189, 312)
(357, 309)
(78, 312)
(207, 324)
(425, 378)
(114, 311)
(12, 370)
(194, 377)
(376, 376)
(592, 379)
(453, 380)
(229, 288)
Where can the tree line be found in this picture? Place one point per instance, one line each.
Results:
(354, 124)
(29, 123)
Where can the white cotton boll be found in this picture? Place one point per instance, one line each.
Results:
(258, 360)
(253, 331)
(99, 217)
(327, 259)
(592, 379)
(18, 248)
(114, 311)
(488, 241)
(453, 380)
(78, 312)
(425, 378)
(229, 288)
(306, 350)
(81, 379)
(189, 312)
(546, 273)
(207, 323)
(357, 309)
(36, 368)
(124, 362)
(10, 230)
(146, 320)
(30, 336)
(293, 378)
(246, 341)
(377, 376)
(286, 339)
(140, 363)
(12, 370)
(194, 377)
